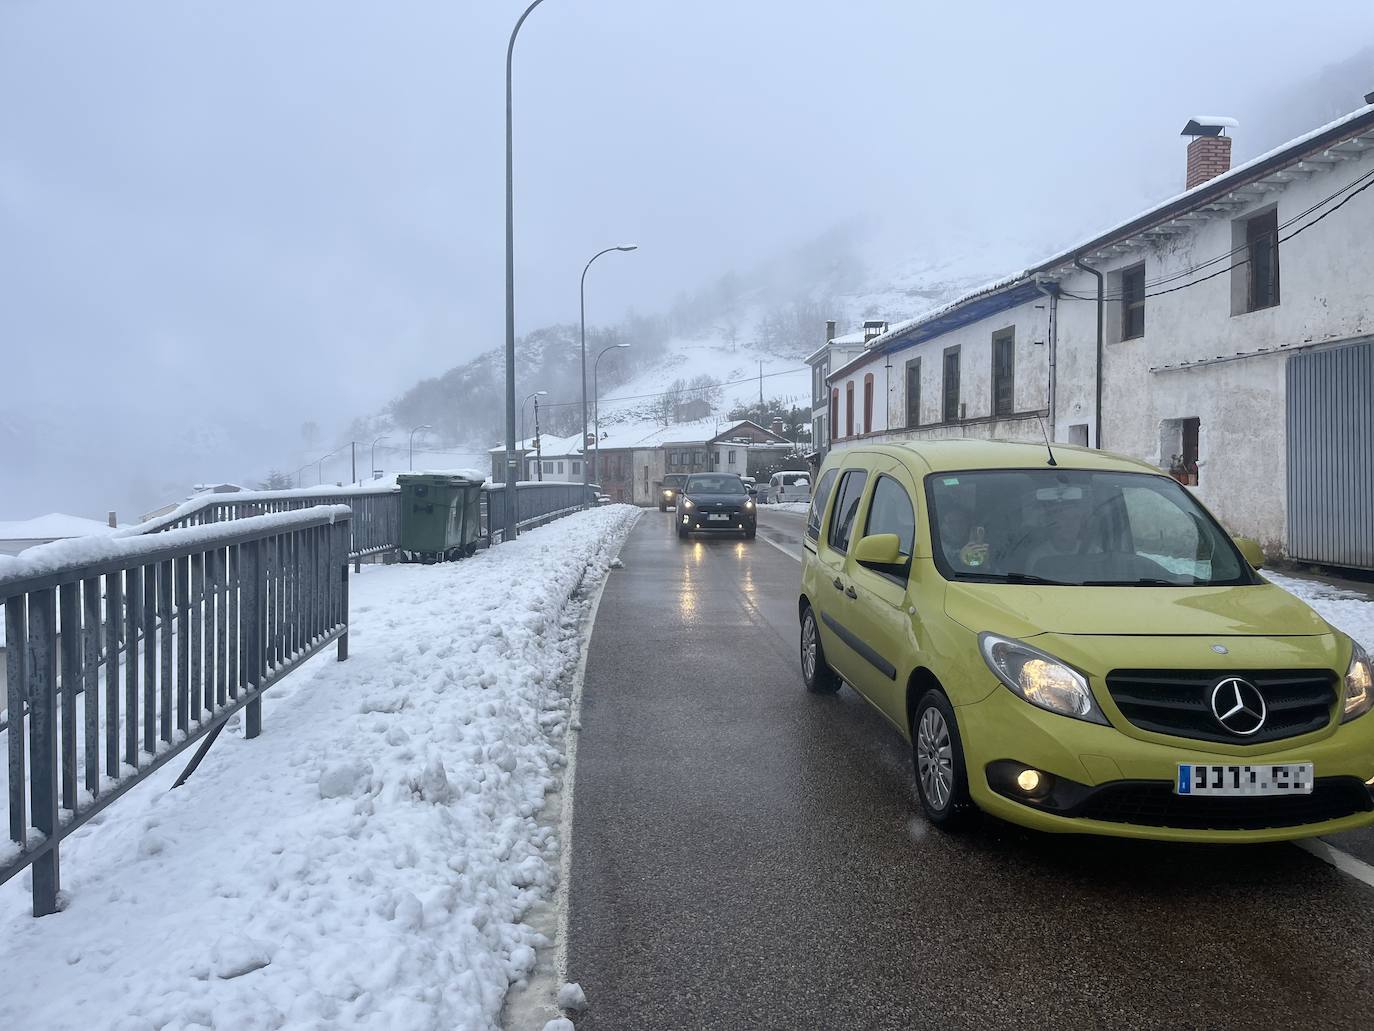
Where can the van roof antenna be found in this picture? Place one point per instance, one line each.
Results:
(1047, 439)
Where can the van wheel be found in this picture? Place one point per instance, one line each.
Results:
(937, 754)
(816, 672)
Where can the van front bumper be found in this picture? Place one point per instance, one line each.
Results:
(1101, 781)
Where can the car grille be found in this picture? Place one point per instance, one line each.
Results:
(1179, 701)
(1154, 804)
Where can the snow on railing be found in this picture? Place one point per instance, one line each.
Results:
(207, 618)
(376, 524)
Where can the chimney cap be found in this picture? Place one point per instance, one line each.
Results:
(1208, 125)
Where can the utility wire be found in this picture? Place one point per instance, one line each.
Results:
(1363, 183)
(684, 391)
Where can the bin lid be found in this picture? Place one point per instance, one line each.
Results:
(434, 480)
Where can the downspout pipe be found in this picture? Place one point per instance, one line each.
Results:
(1097, 409)
(1052, 353)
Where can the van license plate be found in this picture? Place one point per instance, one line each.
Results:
(1259, 779)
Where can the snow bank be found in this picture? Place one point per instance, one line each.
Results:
(1346, 610)
(368, 860)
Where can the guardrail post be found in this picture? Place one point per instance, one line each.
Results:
(17, 634)
(253, 612)
(43, 784)
(343, 606)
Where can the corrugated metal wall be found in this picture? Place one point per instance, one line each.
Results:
(1331, 456)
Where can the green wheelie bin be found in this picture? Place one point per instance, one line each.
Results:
(440, 516)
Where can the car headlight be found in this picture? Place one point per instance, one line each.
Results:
(1359, 685)
(749, 505)
(687, 503)
(1040, 678)
(667, 494)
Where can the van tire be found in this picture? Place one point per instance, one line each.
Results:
(935, 741)
(817, 675)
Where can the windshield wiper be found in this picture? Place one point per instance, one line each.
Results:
(1142, 582)
(1014, 578)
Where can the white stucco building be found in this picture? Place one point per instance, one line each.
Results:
(1235, 345)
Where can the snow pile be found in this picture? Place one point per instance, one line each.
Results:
(368, 860)
(1346, 610)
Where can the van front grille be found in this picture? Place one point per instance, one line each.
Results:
(1178, 702)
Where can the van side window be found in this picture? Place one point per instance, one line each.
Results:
(846, 507)
(890, 512)
(813, 517)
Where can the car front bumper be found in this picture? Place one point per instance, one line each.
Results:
(1118, 785)
(695, 522)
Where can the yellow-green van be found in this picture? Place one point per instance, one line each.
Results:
(1070, 641)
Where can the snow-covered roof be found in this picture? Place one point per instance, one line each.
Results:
(1289, 153)
(53, 526)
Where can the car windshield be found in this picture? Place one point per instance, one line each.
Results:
(1077, 527)
(724, 484)
(673, 480)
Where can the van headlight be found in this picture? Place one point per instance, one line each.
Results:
(1040, 678)
(1359, 685)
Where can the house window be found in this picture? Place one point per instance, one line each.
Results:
(913, 393)
(1255, 272)
(1004, 371)
(577, 467)
(560, 467)
(730, 458)
(548, 467)
(834, 410)
(849, 409)
(950, 411)
(868, 403)
(1262, 242)
(1133, 303)
(1180, 439)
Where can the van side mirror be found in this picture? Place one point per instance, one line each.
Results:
(878, 549)
(1253, 553)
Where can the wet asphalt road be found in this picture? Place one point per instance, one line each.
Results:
(748, 856)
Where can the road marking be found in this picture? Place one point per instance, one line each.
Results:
(1342, 861)
(565, 820)
(794, 555)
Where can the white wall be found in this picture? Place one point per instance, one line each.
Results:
(1326, 295)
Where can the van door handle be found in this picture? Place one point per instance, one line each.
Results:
(839, 585)
(850, 592)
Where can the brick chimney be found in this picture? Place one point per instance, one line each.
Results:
(829, 330)
(1209, 154)
(778, 426)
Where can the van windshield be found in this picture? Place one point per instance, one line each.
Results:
(1079, 527)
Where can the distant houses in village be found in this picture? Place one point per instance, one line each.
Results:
(630, 462)
(1225, 335)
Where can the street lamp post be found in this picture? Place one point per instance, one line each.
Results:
(416, 430)
(596, 401)
(538, 444)
(583, 309)
(508, 532)
(372, 472)
(537, 393)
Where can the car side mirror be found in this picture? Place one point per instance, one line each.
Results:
(1253, 553)
(753, 491)
(878, 549)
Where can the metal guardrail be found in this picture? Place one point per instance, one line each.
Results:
(376, 523)
(214, 615)
(536, 503)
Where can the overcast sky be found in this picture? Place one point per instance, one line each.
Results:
(220, 220)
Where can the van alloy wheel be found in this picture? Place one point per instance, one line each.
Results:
(934, 758)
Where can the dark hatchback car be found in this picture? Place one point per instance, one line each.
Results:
(671, 487)
(716, 502)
